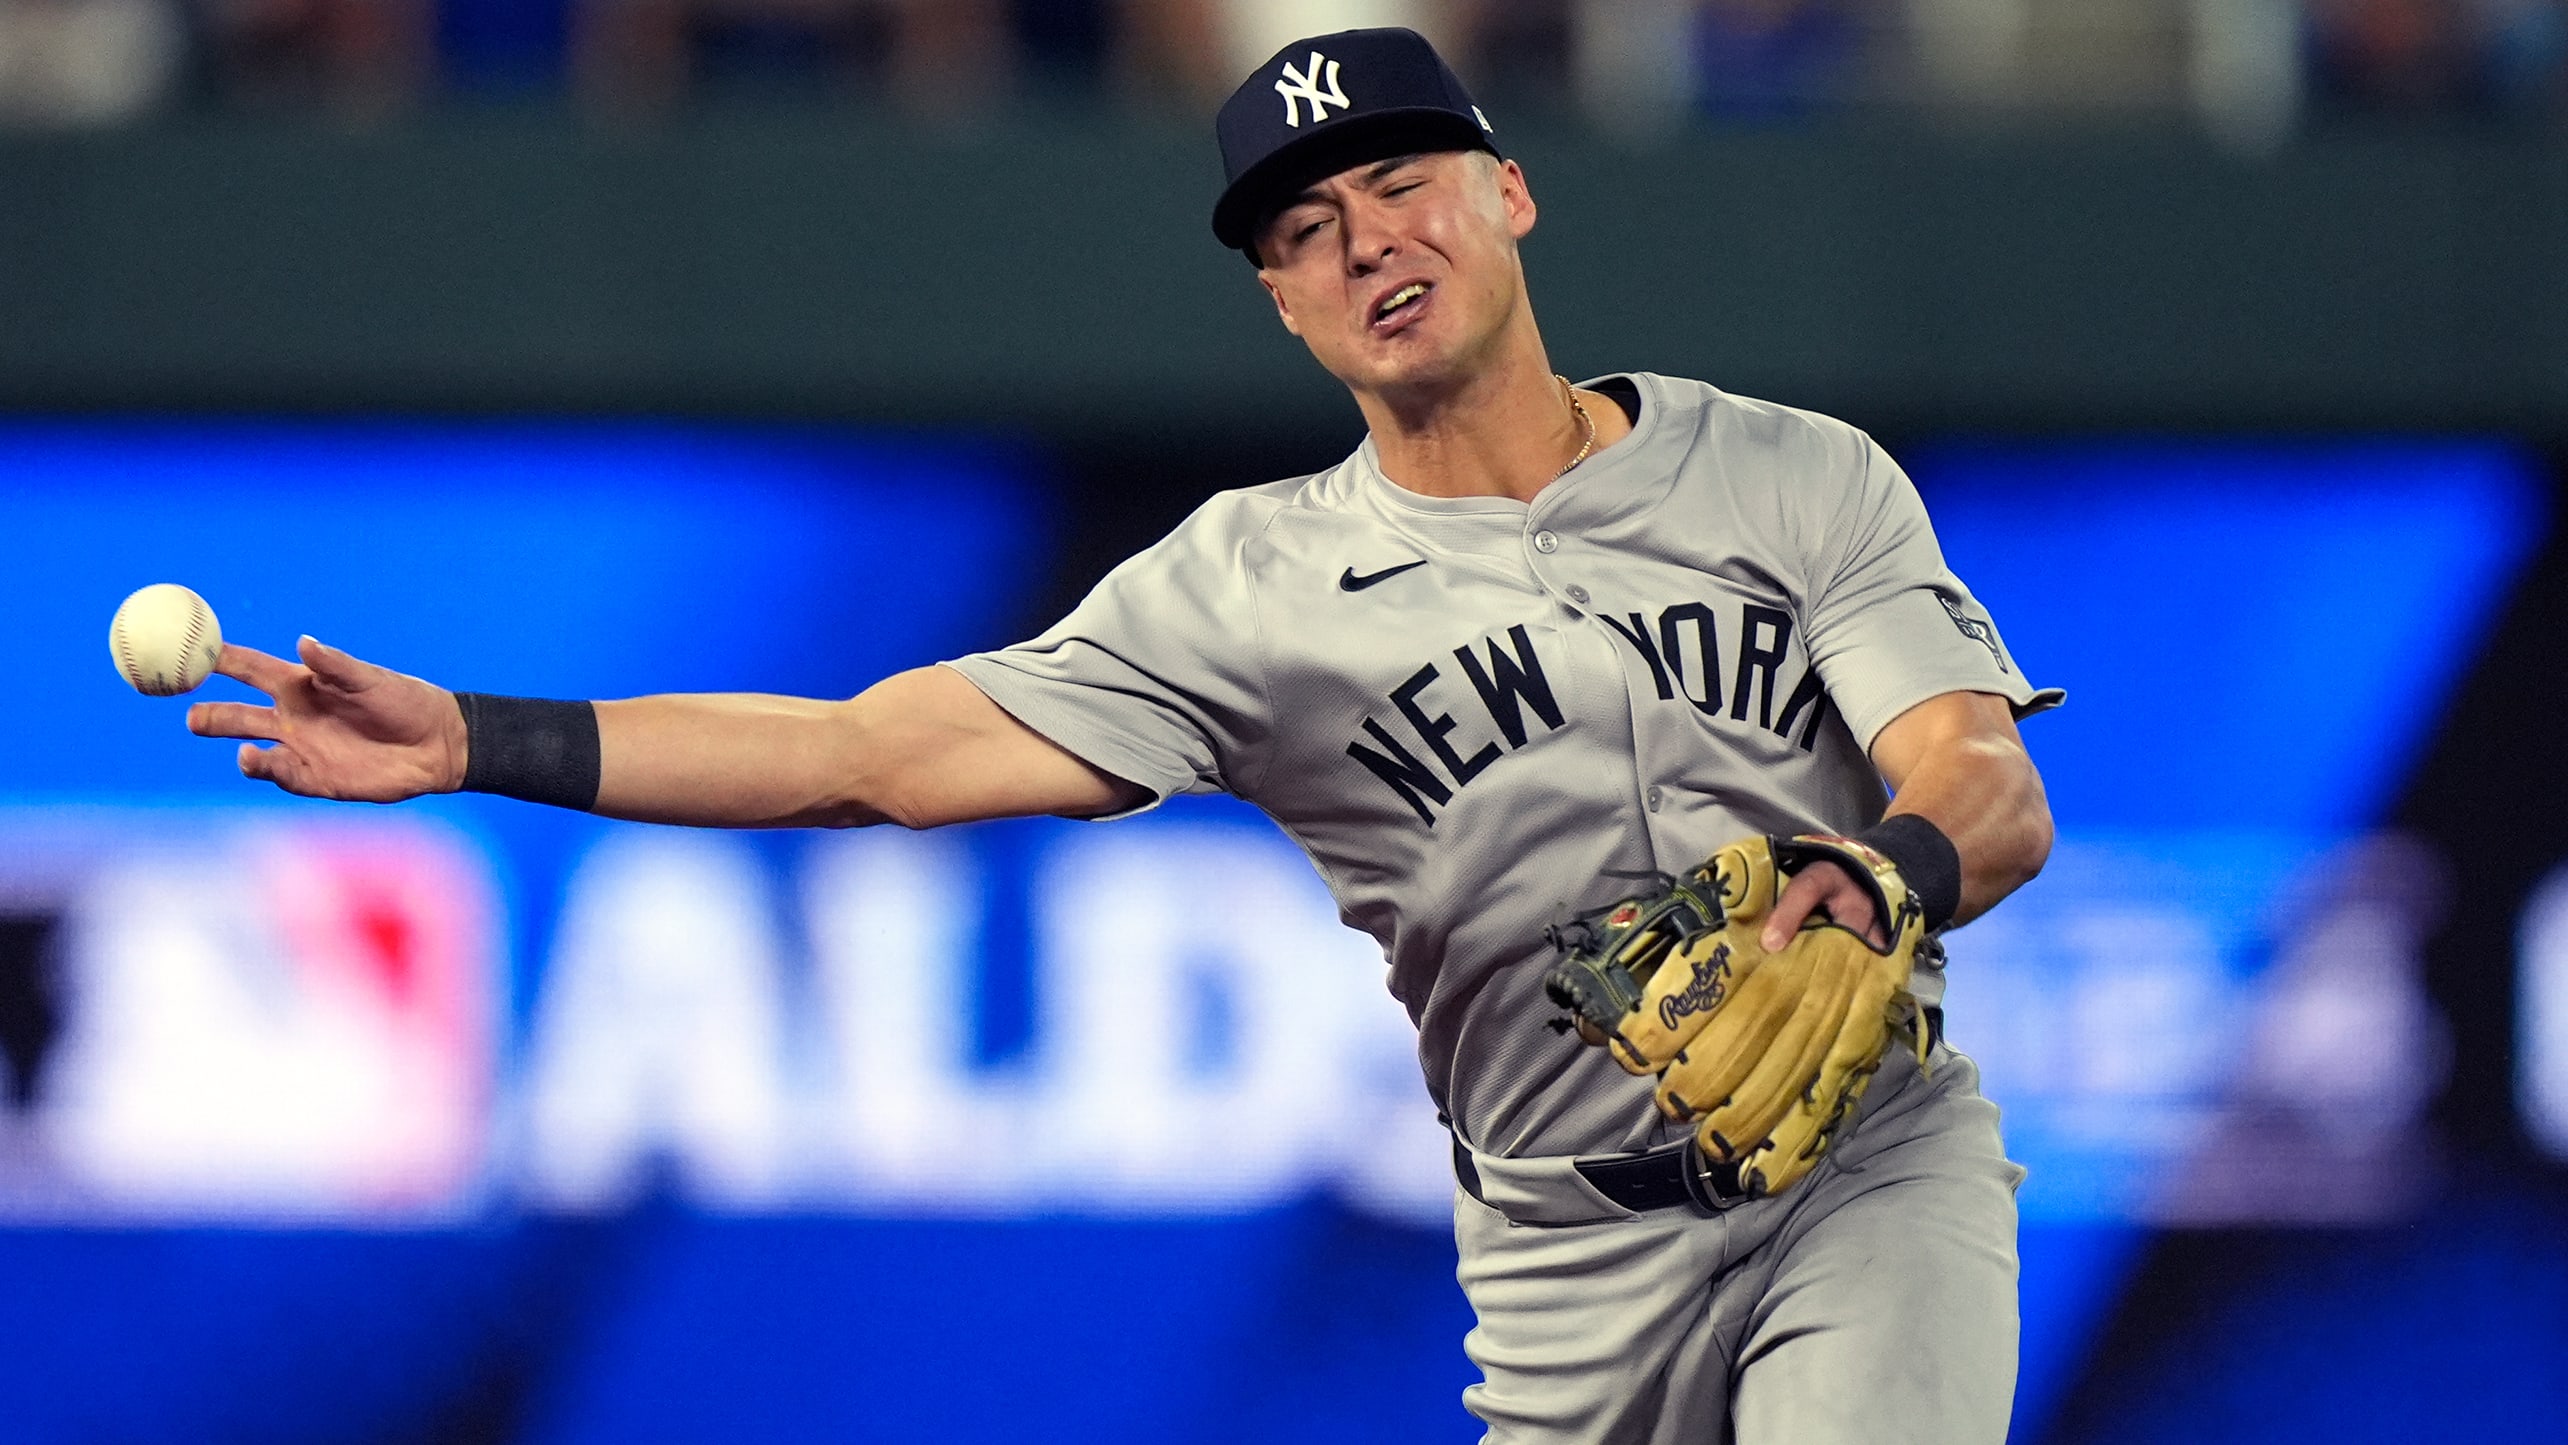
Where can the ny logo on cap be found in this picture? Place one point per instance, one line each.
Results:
(1301, 85)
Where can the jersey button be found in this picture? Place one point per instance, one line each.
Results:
(1546, 542)
(1578, 594)
(1654, 797)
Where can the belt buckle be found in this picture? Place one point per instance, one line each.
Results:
(1712, 1186)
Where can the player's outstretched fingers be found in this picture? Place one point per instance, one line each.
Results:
(270, 675)
(281, 766)
(234, 720)
(336, 670)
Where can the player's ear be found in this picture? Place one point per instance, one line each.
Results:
(1283, 312)
(1516, 197)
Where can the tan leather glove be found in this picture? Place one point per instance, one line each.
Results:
(1767, 1052)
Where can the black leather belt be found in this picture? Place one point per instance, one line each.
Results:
(1674, 1174)
(1662, 1178)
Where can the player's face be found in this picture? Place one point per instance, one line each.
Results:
(1403, 274)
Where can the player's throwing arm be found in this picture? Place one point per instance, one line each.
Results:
(922, 748)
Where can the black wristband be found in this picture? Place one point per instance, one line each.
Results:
(1924, 857)
(532, 748)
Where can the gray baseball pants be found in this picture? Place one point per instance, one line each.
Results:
(1871, 1304)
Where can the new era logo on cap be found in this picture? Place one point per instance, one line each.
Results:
(1404, 98)
(1299, 86)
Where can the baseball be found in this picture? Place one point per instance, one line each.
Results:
(164, 639)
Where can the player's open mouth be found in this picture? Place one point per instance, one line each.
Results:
(1395, 310)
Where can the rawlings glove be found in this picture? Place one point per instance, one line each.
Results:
(1767, 1052)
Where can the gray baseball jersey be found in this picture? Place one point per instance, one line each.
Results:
(1468, 710)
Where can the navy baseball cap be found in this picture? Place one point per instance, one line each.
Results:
(1330, 102)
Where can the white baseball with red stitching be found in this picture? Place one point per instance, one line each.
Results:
(164, 639)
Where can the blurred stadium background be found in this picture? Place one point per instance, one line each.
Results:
(594, 347)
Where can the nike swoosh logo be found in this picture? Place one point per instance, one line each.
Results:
(1349, 582)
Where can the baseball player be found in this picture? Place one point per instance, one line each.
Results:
(1532, 642)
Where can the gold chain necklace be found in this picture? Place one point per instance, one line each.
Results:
(1586, 424)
